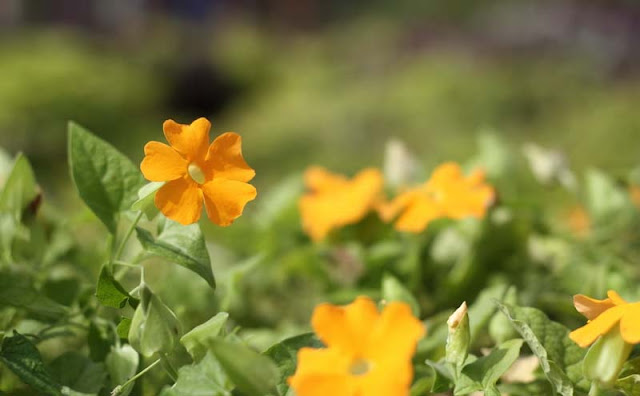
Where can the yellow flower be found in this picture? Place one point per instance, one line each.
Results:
(193, 170)
(448, 193)
(368, 353)
(334, 201)
(603, 316)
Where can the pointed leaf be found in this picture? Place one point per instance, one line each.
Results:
(560, 358)
(146, 197)
(23, 358)
(183, 245)
(107, 181)
(20, 189)
(205, 378)
(197, 341)
(110, 292)
(251, 372)
(285, 355)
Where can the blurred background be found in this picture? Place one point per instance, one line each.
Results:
(315, 82)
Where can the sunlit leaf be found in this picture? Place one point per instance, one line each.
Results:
(106, 180)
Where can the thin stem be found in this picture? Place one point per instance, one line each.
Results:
(171, 371)
(125, 264)
(118, 389)
(135, 221)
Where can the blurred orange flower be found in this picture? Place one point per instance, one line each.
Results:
(579, 221)
(368, 353)
(603, 316)
(334, 201)
(448, 193)
(193, 170)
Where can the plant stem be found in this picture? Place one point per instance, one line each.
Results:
(118, 253)
(595, 389)
(171, 371)
(118, 388)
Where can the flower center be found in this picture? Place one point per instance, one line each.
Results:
(359, 367)
(196, 173)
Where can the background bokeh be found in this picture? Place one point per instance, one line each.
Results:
(325, 82)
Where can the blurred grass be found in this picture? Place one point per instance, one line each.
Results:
(331, 98)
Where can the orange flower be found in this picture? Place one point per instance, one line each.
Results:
(603, 315)
(448, 193)
(334, 201)
(579, 221)
(368, 353)
(194, 170)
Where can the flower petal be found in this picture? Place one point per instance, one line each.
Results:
(630, 324)
(180, 200)
(587, 334)
(346, 328)
(590, 307)
(162, 163)
(385, 381)
(225, 199)
(346, 204)
(224, 159)
(615, 298)
(396, 334)
(321, 372)
(191, 140)
(418, 215)
(318, 179)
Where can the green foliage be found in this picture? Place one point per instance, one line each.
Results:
(285, 355)
(252, 373)
(183, 245)
(198, 340)
(154, 327)
(110, 292)
(205, 378)
(560, 358)
(106, 180)
(22, 357)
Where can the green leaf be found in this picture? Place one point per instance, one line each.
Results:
(487, 370)
(154, 327)
(110, 292)
(285, 355)
(100, 340)
(442, 377)
(23, 358)
(183, 245)
(16, 290)
(78, 372)
(122, 364)
(197, 341)
(106, 180)
(251, 372)
(146, 198)
(393, 290)
(629, 385)
(483, 308)
(20, 189)
(205, 378)
(560, 358)
(604, 198)
(123, 328)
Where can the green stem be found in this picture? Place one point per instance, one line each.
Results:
(118, 253)
(595, 389)
(169, 367)
(118, 389)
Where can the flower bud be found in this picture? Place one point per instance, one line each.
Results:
(604, 360)
(154, 327)
(459, 337)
